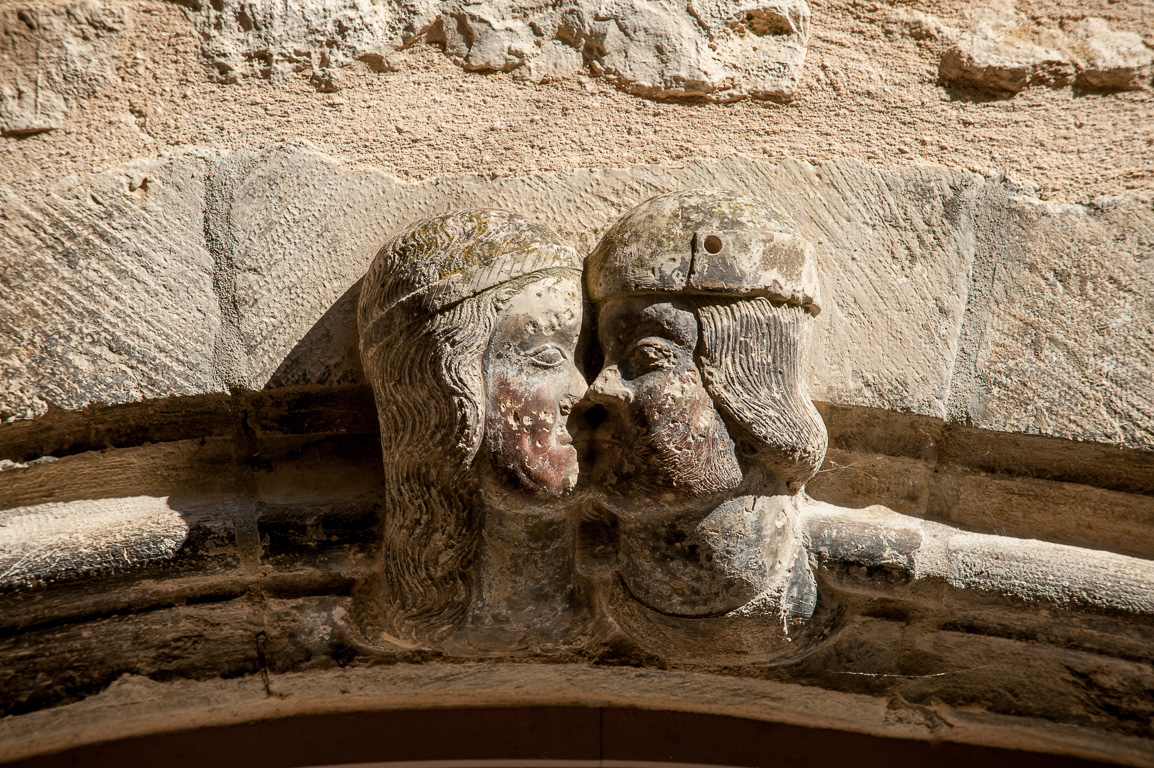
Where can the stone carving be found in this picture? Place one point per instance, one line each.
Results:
(705, 303)
(469, 326)
(706, 436)
(697, 438)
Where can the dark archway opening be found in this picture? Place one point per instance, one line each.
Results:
(542, 737)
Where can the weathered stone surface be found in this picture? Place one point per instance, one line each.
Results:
(1003, 53)
(290, 232)
(1061, 323)
(1040, 571)
(287, 241)
(1027, 570)
(108, 290)
(136, 706)
(263, 38)
(52, 57)
(1109, 60)
(888, 247)
(919, 25)
(717, 49)
(61, 540)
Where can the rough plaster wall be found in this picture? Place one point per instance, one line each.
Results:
(868, 89)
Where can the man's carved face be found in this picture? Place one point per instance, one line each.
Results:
(531, 385)
(662, 438)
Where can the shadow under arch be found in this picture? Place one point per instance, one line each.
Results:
(541, 737)
(329, 353)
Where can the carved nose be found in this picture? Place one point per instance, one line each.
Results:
(608, 390)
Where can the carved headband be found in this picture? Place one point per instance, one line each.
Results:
(451, 257)
(706, 242)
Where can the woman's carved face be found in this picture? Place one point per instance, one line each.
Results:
(531, 386)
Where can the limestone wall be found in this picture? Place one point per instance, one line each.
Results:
(190, 471)
(118, 81)
(947, 295)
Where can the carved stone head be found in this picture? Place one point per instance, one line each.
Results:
(468, 326)
(705, 305)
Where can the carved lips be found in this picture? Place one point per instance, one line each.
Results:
(667, 439)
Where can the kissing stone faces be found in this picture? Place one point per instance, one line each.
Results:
(470, 326)
(661, 507)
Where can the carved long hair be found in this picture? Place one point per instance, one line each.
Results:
(754, 358)
(428, 308)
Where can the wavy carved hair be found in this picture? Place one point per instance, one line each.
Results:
(754, 358)
(425, 365)
(425, 378)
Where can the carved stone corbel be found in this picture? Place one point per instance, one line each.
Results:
(469, 324)
(695, 441)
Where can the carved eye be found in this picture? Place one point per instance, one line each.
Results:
(547, 356)
(649, 356)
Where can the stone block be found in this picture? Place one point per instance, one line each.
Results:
(107, 290)
(1003, 53)
(721, 50)
(291, 231)
(944, 294)
(1109, 60)
(53, 56)
(267, 39)
(1062, 341)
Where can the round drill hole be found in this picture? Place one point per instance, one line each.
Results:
(713, 244)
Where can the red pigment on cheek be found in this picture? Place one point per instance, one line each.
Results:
(524, 438)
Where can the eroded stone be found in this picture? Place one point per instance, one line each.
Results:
(53, 57)
(1109, 60)
(65, 540)
(718, 49)
(1003, 53)
(1064, 315)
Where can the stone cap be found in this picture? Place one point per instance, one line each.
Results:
(707, 242)
(451, 256)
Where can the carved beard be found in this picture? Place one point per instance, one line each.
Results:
(671, 445)
(529, 445)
